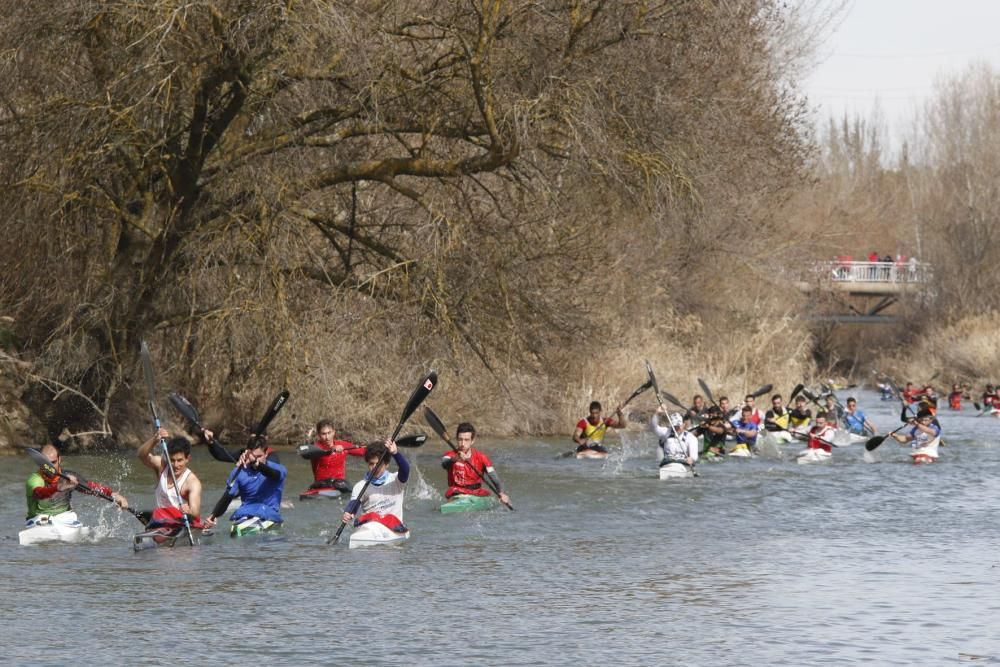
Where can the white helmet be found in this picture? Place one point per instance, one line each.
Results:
(676, 420)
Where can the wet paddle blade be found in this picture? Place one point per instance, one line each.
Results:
(708, 392)
(670, 398)
(873, 443)
(795, 392)
(763, 390)
(435, 423)
(188, 411)
(652, 377)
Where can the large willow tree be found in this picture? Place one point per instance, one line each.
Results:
(241, 181)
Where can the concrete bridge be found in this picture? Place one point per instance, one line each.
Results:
(866, 289)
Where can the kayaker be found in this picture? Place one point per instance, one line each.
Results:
(468, 465)
(755, 413)
(383, 499)
(834, 411)
(590, 430)
(956, 396)
(329, 465)
(746, 433)
(820, 437)
(990, 398)
(910, 393)
(856, 421)
(713, 429)
(258, 481)
(169, 504)
(728, 413)
(799, 417)
(777, 418)
(925, 434)
(697, 412)
(676, 444)
(50, 495)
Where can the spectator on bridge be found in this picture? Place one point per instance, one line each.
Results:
(887, 267)
(912, 266)
(873, 269)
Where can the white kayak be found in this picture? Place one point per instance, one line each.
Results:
(780, 437)
(928, 453)
(741, 451)
(844, 438)
(373, 534)
(64, 527)
(813, 456)
(675, 471)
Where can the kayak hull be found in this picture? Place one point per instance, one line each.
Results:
(373, 534)
(164, 536)
(320, 494)
(591, 454)
(926, 454)
(65, 527)
(252, 526)
(675, 471)
(813, 456)
(466, 503)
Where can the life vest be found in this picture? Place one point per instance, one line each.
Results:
(799, 419)
(818, 434)
(955, 400)
(595, 433)
(390, 521)
(781, 420)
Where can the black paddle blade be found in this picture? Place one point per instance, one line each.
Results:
(41, 459)
(795, 392)
(670, 398)
(708, 392)
(415, 440)
(763, 390)
(187, 410)
(435, 423)
(425, 387)
(150, 378)
(272, 412)
(643, 387)
(873, 443)
(652, 377)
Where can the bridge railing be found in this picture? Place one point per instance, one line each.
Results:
(875, 272)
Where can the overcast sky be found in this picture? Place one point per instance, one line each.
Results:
(893, 50)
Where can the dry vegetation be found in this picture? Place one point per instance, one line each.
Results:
(531, 197)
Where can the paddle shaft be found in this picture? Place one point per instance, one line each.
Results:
(641, 388)
(81, 487)
(416, 398)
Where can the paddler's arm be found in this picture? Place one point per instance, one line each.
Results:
(401, 463)
(492, 474)
(271, 469)
(145, 452)
(620, 421)
(220, 508)
(578, 436)
(215, 448)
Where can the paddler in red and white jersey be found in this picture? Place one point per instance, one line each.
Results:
(383, 499)
(820, 437)
(169, 502)
(590, 430)
(910, 394)
(467, 467)
(756, 416)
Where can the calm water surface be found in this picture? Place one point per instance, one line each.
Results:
(760, 562)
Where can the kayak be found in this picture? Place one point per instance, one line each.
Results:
(319, 494)
(373, 534)
(780, 437)
(675, 470)
(926, 454)
(63, 527)
(591, 454)
(813, 456)
(464, 502)
(845, 438)
(741, 451)
(171, 535)
(252, 526)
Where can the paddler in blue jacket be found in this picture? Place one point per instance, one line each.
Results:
(856, 421)
(258, 482)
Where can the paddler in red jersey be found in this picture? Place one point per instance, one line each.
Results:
(328, 458)
(590, 431)
(955, 397)
(820, 436)
(911, 394)
(468, 466)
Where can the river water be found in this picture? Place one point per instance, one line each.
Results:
(756, 562)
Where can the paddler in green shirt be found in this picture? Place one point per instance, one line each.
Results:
(50, 494)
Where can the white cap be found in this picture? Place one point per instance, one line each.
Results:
(676, 420)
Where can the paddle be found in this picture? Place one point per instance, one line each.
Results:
(805, 437)
(147, 370)
(311, 450)
(191, 414)
(873, 443)
(639, 390)
(81, 486)
(795, 392)
(416, 398)
(670, 398)
(439, 428)
(763, 390)
(708, 392)
(656, 391)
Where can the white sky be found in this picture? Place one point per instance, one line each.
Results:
(893, 51)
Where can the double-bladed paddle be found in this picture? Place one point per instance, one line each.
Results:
(46, 465)
(873, 443)
(639, 390)
(311, 450)
(147, 370)
(439, 428)
(657, 392)
(189, 412)
(416, 398)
